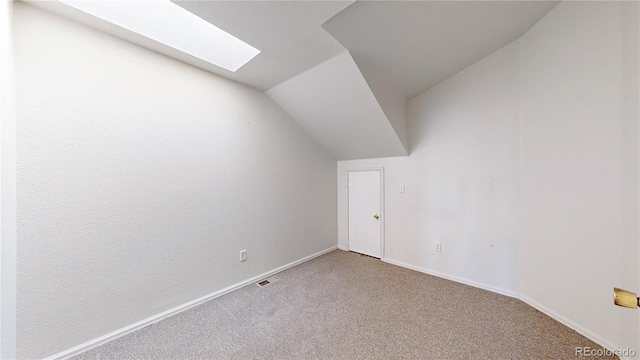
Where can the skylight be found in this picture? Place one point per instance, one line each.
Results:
(169, 24)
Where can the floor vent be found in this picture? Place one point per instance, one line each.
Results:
(268, 281)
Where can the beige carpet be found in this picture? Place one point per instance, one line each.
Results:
(348, 306)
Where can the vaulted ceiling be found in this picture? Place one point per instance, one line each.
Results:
(334, 103)
(344, 70)
(416, 44)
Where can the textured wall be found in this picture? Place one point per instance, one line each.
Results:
(525, 167)
(141, 179)
(461, 179)
(579, 108)
(8, 186)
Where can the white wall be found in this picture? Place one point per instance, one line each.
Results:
(461, 179)
(7, 186)
(141, 178)
(525, 167)
(579, 108)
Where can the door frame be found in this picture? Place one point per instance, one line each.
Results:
(382, 212)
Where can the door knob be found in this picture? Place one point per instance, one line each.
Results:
(625, 298)
(376, 216)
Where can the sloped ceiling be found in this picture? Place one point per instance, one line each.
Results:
(344, 70)
(288, 34)
(334, 104)
(416, 44)
(265, 25)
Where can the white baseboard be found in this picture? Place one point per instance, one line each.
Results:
(461, 280)
(156, 318)
(545, 310)
(570, 324)
(344, 248)
(178, 309)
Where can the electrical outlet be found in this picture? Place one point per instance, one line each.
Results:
(438, 247)
(243, 255)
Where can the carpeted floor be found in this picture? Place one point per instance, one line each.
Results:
(348, 306)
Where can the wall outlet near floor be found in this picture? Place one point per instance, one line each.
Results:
(243, 255)
(438, 247)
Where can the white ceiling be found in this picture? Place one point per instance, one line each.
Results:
(412, 45)
(265, 24)
(335, 105)
(354, 104)
(416, 44)
(288, 34)
(343, 69)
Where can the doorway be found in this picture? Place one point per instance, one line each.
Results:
(366, 218)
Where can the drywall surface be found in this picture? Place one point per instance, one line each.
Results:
(393, 103)
(141, 178)
(415, 45)
(525, 167)
(7, 186)
(579, 108)
(335, 105)
(461, 180)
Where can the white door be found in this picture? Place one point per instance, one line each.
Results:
(364, 212)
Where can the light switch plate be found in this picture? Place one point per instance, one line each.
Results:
(401, 188)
